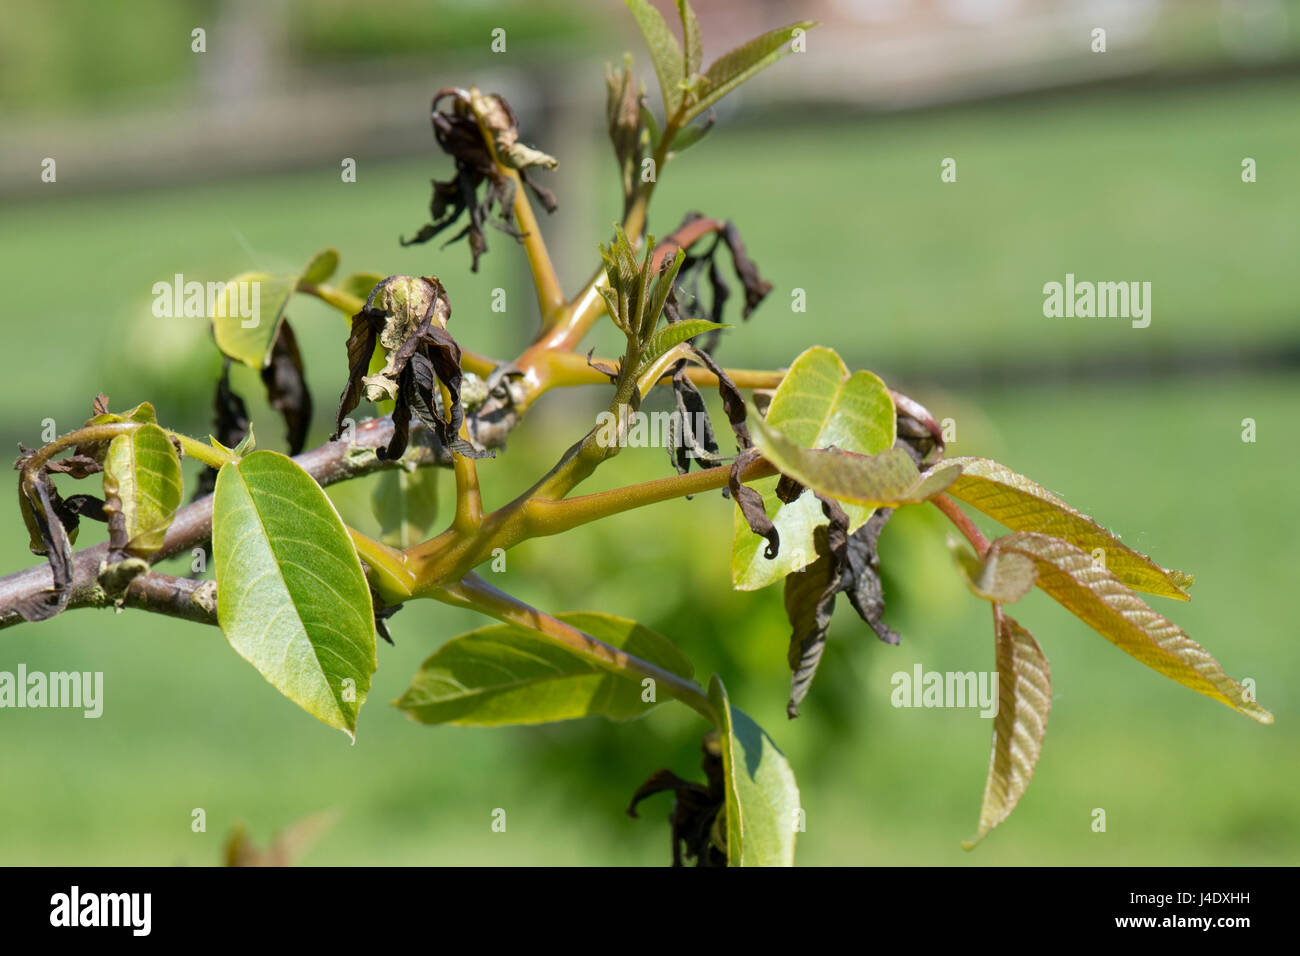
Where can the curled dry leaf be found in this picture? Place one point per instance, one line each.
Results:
(460, 135)
(698, 809)
(408, 316)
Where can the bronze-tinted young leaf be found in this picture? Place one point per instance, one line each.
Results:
(1023, 505)
(1024, 700)
(286, 388)
(1098, 598)
(1003, 577)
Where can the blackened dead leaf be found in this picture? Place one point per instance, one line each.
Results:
(756, 287)
(286, 388)
(751, 504)
(862, 575)
(230, 424)
(788, 490)
(810, 600)
(408, 317)
(732, 401)
(697, 809)
(459, 135)
(692, 429)
(50, 538)
(78, 466)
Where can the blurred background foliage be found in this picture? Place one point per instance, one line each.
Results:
(1130, 172)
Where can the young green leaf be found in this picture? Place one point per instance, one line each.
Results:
(248, 313)
(817, 404)
(505, 674)
(690, 38)
(142, 490)
(665, 52)
(322, 266)
(671, 335)
(1022, 505)
(889, 479)
(731, 69)
(1024, 699)
(291, 596)
(762, 797)
(250, 307)
(1098, 598)
(1003, 577)
(405, 503)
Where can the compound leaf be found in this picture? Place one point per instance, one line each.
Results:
(1097, 597)
(1022, 505)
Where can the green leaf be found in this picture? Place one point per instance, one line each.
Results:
(1002, 577)
(291, 595)
(321, 267)
(817, 404)
(731, 69)
(665, 52)
(690, 37)
(1097, 597)
(762, 798)
(143, 413)
(1024, 700)
(507, 674)
(249, 339)
(887, 480)
(689, 135)
(142, 489)
(1022, 505)
(405, 504)
(670, 336)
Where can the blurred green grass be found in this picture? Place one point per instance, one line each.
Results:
(900, 271)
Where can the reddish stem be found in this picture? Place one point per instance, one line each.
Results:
(963, 523)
